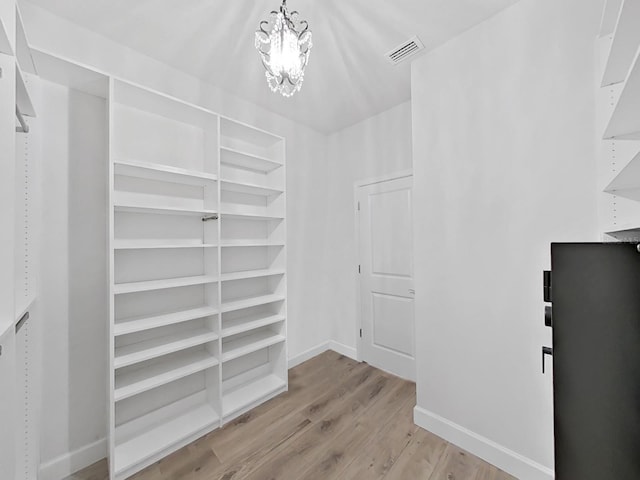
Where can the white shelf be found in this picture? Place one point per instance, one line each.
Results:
(149, 244)
(140, 324)
(626, 41)
(133, 287)
(626, 232)
(240, 397)
(23, 51)
(250, 188)
(164, 173)
(610, 17)
(248, 323)
(248, 161)
(5, 44)
(625, 120)
(23, 99)
(250, 343)
(129, 208)
(241, 303)
(249, 242)
(165, 371)
(153, 442)
(247, 133)
(157, 347)
(628, 178)
(225, 277)
(249, 216)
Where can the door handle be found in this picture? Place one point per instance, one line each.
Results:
(412, 291)
(546, 351)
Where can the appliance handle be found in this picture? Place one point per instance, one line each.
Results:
(546, 351)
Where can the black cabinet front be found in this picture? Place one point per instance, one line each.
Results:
(596, 361)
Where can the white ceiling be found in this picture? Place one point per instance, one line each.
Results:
(348, 78)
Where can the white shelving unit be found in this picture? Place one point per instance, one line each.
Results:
(619, 112)
(198, 273)
(623, 45)
(610, 16)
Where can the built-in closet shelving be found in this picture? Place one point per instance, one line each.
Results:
(619, 120)
(198, 265)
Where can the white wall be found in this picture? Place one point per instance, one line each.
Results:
(65, 429)
(504, 163)
(377, 146)
(73, 277)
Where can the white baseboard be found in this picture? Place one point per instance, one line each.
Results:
(343, 349)
(321, 348)
(511, 462)
(69, 463)
(308, 354)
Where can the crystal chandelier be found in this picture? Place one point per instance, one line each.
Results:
(284, 44)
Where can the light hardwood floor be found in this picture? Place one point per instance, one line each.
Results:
(340, 420)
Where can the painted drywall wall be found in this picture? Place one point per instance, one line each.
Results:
(72, 274)
(306, 222)
(378, 146)
(504, 163)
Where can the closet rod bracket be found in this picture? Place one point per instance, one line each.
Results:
(23, 128)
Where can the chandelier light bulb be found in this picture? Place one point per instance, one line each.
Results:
(284, 44)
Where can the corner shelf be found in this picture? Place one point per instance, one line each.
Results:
(157, 347)
(248, 161)
(625, 44)
(165, 371)
(248, 323)
(140, 324)
(146, 286)
(244, 395)
(625, 121)
(164, 173)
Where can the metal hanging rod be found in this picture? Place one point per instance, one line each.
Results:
(24, 127)
(22, 321)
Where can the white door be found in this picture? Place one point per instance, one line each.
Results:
(386, 276)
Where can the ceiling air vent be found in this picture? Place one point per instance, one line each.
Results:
(404, 51)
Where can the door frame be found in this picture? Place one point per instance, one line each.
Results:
(356, 186)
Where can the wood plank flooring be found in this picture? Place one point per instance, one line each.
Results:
(340, 420)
